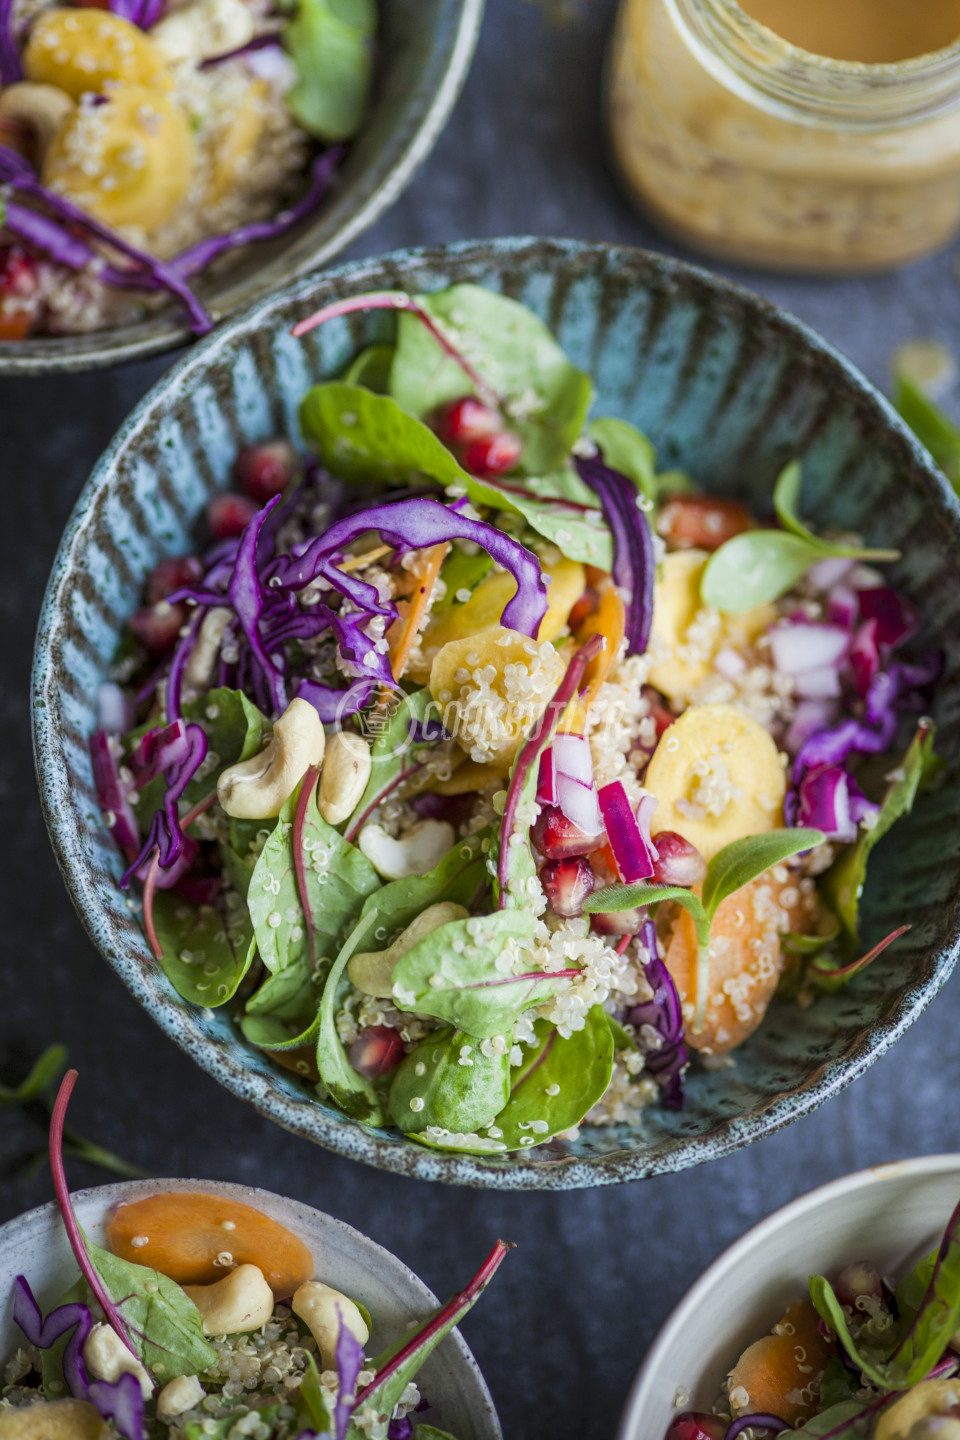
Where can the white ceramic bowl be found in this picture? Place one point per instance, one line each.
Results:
(35, 1245)
(892, 1215)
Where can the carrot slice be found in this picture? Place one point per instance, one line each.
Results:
(780, 1374)
(403, 632)
(188, 1236)
(609, 619)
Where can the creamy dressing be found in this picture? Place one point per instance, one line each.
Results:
(875, 32)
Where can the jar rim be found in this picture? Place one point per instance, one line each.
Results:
(818, 89)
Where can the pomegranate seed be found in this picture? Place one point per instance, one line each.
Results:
(493, 455)
(583, 609)
(617, 922)
(464, 420)
(691, 1426)
(229, 515)
(157, 626)
(567, 884)
(857, 1280)
(557, 838)
(376, 1051)
(678, 862)
(701, 521)
(172, 574)
(263, 471)
(19, 276)
(659, 714)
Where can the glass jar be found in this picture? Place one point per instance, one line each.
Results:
(761, 153)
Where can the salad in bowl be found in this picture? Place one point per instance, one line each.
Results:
(204, 1315)
(488, 776)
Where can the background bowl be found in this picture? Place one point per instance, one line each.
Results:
(727, 387)
(892, 1215)
(35, 1245)
(424, 49)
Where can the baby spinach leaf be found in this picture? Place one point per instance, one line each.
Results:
(43, 1072)
(339, 877)
(459, 878)
(395, 753)
(462, 973)
(837, 1385)
(913, 1287)
(760, 565)
(284, 1012)
(348, 1089)
(626, 449)
(368, 437)
(207, 949)
(558, 1082)
(931, 425)
(545, 397)
(872, 1362)
(840, 1422)
(161, 1319)
(743, 860)
(456, 1084)
(629, 897)
(430, 1432)
(330, 44)
(844, 881)
(371, 368)
(579, 535)
(235, 730)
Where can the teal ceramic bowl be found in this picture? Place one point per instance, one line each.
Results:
(727, 387)
(425, 49)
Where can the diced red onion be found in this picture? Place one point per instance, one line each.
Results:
(798, 647)
(864, 657)
(821, 684)
(579, 803)
(825, 802)
(547, 779)
(825, 574)
(633, 851)
(864, 577)
(730, 663)
(572, 757)
(843, 607)
(896, 619)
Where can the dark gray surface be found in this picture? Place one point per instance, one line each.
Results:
(595, 1274)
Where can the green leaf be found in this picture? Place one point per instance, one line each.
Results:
(453, 974)
(837, 1385)
(546, 398)
(558, 1082)
(459, 878)
(394, 754)
(461, 571)
(220, 1426)
(366, 437)
(284, 1012)
(162, 1320)
(626, 449)
(743, 860)
(786, 500)
(330, 44)
(754, 568)
(833, 1422)
(931, 425)
(460, 1088)
(346, 1087)
(42, 1075)
(430, 1432)
(871, 1362)
(844, 881)
(913, 1287)
(207, 949)
(371, 368)
(578, 535)
(629, 897)
(809, 944)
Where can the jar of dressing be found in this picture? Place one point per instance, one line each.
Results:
(817, 135)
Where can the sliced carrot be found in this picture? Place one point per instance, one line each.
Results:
(187, 1237)
(609, 620)
(780, 1374)
(15, 327)
(403, 632)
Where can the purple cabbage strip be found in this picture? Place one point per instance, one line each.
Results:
(400, 1429)
(773, 1423)
(201, 255)
(165, 834)
(664, 1014)
(15, 171)
(11, 69)
(142, 13)
(111, 796)
(259, 42)
(633, 560)
(179, 664)
(333, 705)
(245, 594)
(157, 750)
(122, 1401)
(418, 524)
(349, 1358)
(45, 234)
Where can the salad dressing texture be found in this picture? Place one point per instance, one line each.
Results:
(872, 32)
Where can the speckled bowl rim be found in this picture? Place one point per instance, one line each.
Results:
(249, 1195)
(347, 1137)
(738, 1254)
(387, 178)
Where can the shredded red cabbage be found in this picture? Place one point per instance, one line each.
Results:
(200, 256)
(111, 796)
(143, 13)
(165, 834)
(667, 1063)
(349, 1360)
(633, 560)
(45, 234)
(830, 800)
(773, 1423)
(896, 619)
(11, 68)
(259, 42)
(245, 594)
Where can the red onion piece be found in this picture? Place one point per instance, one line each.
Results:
(572, 757)
(634, 852)
(821, 684)
(864, 657)
(830, 572)
(579, 803)
(843, 607)
(547, 779)
(895, 617)
(798, 647)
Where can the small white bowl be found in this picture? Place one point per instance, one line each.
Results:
(893, 1215)
(35, 1245)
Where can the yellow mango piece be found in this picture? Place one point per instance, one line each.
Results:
(930, 1397)
(81, 51)
(235, 140)
(718, 777)
(54, 1420)
(491, 687)
(566, 584)
(128, 161)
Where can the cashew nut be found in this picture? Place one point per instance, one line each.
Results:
(420, 850)
(372, 970)
(184, 1393)
(107, 1358)
(240, 1302)
(45, 108)
(323, 1310)
(346, 770)
(53, 1420)
(204, 29)
(203, 657)
(258, 788)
